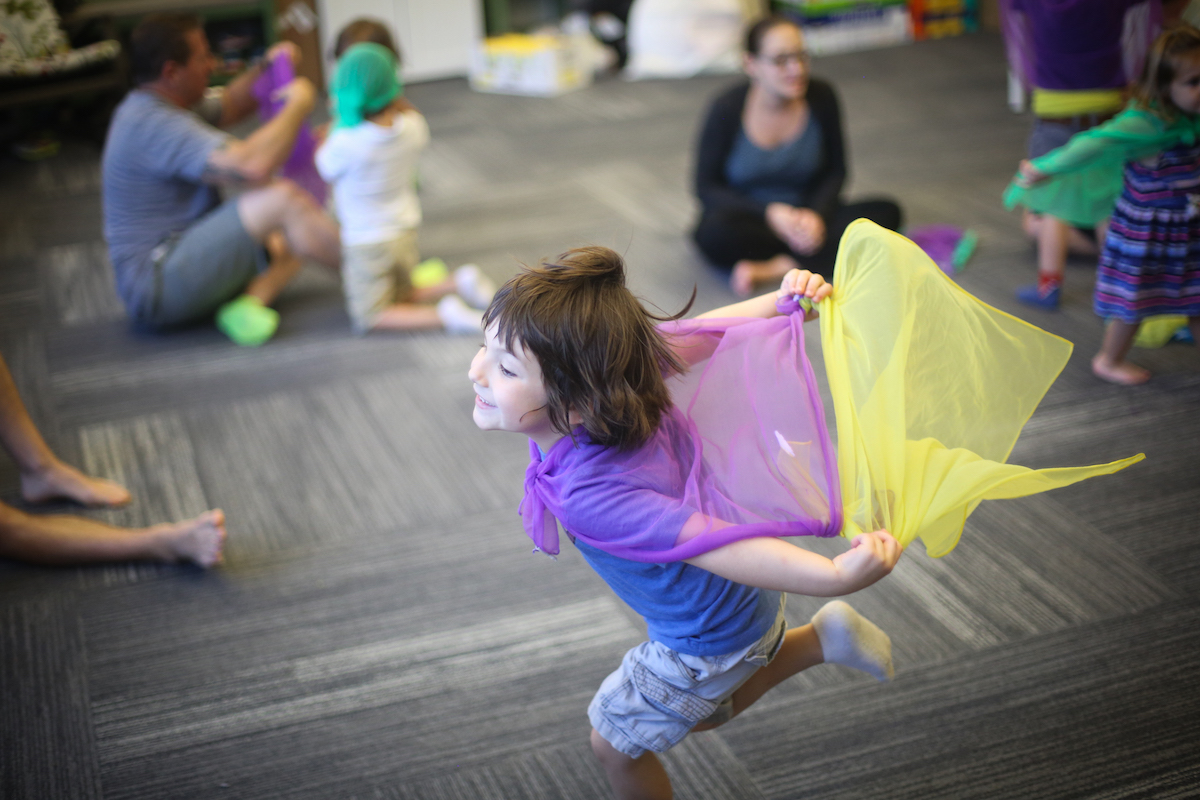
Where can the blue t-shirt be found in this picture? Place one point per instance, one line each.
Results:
(151, 170)
(688, 609)
(781, 175)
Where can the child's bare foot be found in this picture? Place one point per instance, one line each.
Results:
(1123, 373)
(62, 480)
(198, 540)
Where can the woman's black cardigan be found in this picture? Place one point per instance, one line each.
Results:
(720, 131)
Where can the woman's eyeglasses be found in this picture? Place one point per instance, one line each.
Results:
(785, 59)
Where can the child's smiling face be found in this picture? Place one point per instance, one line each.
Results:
(1185, 88)
(509, 392)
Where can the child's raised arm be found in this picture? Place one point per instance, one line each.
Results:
(796, 281)
(775, 564)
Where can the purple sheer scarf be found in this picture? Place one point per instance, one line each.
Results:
(300, 165)
(743, 453)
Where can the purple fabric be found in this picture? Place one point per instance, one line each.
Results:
(745, 444)
(1071, 45)
(300, 165)
(938, 241)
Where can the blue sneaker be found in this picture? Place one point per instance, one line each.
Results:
(1031, 295)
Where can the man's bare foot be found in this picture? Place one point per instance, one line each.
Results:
(747, 274)
(1123, 373)
(198, 540)
(60, 480)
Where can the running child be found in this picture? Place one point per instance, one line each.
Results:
(370, 160)
(1150, 263)
(572, 360)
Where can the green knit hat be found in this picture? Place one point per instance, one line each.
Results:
(364, 82)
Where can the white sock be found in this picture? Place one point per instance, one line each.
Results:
(457, 316)
(852, 640)
(473, 286)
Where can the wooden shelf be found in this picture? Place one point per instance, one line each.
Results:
(136, 8)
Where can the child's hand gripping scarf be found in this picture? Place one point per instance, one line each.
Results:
(931, 388)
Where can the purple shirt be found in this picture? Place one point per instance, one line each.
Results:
(1076, 43)
(744, 444)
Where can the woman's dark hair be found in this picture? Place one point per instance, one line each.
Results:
(365, 29)
(600, 352)
(756, 32)
(1153, 91)
(157, 39)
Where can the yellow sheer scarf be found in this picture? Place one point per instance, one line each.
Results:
(931, 388)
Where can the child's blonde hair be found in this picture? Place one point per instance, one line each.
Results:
(1153, 91)
(600, 352)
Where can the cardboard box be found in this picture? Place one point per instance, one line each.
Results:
(539, 66)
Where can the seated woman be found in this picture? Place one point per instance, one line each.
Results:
(771, 164)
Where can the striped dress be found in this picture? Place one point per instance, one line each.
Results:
(1151, 259)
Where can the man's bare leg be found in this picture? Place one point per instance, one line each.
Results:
(641, 778)
(43, 475)
(284, 265)
(747, 274)
(61, 539)
(248, 319)
(282, 205)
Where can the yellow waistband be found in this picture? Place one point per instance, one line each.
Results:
(1054, 103)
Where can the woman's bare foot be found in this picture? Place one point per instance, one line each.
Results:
(197, 540)
(1123, 373)
(747, 274)
(62, 480)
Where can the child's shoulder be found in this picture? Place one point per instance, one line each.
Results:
(655, 464)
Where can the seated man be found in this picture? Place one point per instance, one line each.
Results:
(179, 253)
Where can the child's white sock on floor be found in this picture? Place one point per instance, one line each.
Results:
(473, 286)
(457, 316)
(850, 639)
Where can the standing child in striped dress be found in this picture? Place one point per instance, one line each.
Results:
(1150, 264)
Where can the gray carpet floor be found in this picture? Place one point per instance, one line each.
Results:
(380, 629)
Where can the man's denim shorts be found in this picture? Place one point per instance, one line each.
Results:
(198, 269)
(658, 695)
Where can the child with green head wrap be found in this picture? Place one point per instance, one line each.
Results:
(370, 162)
(364, 83)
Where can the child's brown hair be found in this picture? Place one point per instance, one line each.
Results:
(365, 29)
(600, 352)
(1153, 91)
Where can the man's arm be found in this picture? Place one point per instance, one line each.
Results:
(801, 282)
(255, 158)
(775, 564)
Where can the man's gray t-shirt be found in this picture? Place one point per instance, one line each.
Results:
(153, 160)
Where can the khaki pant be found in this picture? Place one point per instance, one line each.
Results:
(376, 276)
